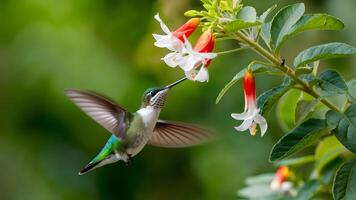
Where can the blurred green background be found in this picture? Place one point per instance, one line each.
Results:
(106, 46)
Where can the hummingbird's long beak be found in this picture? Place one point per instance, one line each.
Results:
(175, 83)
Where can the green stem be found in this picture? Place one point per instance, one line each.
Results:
(278, 63)
(224, 38)
(258, 48)
(231, 51)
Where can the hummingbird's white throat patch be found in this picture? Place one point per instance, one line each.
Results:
(149, 115)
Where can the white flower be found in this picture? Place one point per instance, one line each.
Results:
(251, 116)
(174, 41)
(168, 41)
(194, 61)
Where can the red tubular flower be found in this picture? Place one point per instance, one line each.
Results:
(251, 116)
(174, 41)
(249, 89)
(280, 176)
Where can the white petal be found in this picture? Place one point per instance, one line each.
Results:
(274, 186)
(240, 116)
(175, 44)
(157, 36)
(187, 63)
(252, 105)
(286, 186)
(161, 40)
(261, 121)
(203, 75)
(187, 44)
(208, 55)
(252, 109)
(190, 74)
(168, 41)
(245, 125)
(171, 59)
(162, 24)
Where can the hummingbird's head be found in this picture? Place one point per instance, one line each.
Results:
(156, 97)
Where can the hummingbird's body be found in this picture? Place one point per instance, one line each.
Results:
(141, 129)
(132, 131)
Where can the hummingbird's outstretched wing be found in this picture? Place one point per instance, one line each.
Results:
(104, 111)
(178, 134)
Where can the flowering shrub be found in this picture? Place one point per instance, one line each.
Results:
(322, 105)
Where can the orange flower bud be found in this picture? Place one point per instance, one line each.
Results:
(186, 29)
(205, 43)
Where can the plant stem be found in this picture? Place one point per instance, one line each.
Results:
(278, 63)
(224, 38)
(258, 48)
(231, 51)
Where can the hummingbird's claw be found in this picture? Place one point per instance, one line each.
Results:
(129, 161)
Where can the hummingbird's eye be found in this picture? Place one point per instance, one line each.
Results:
(153, 93)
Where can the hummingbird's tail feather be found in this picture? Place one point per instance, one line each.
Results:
(89, 167)
(107, 155)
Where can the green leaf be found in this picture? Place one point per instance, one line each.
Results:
(337, 100)
(327, 150)
(352, 90)
(284, 20)
(256, 69)
(208, 2)
(267, 99)
(304, 107)
(316, 22)
(266, 33)
(332, 82)
(346, 129)
(302, 136)
(193, 13)
(239, 24)
(308, 190)
(296, 161)
(286, 108)
(248, 14)
(303, 70)
(227, 5)
(312, 22)
(324, 51)
(333, 118)
(265, 14)
(345, 182)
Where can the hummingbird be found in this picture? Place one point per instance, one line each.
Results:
(130, 132)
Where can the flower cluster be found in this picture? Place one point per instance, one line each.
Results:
(194, 61)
